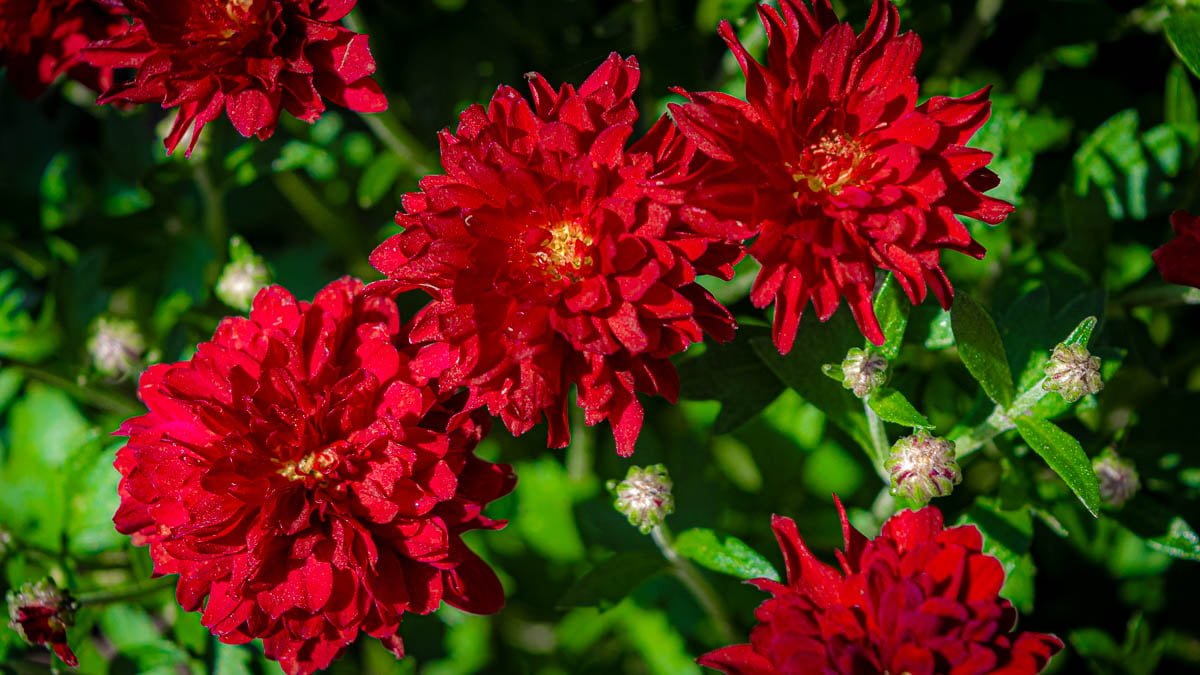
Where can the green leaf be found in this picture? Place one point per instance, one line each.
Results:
(731, 556)
(1183, 32)
(1161, 528)
(1007, 536)
(611, 581)
(892, 406)
(379, 177)
(817, 344)
(1179, 106)
(232, 660)
(981, 350)
(891, 309)
(734, 375)
(21, 337)
(93, 501)
(711, 12)
(1065, 456)
(655, 637)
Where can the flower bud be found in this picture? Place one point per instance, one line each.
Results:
(116, 346)
(644, 496)
(1073, 372)
(863, 372)
(243, 277)
(922, 467)
(41, 614)
(1118, 478)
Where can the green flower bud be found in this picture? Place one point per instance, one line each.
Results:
(922, 467)
(243, 277)
(863, 372)
(644, 496)
(116, 346)
(1073, 372)
(1118, 478)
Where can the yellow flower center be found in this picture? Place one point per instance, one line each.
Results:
(830, 164)
(567, 252)
(313, 466)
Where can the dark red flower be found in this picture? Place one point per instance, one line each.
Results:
(549, 265)
(43, 39)
(249, 58)
(918, 599)
(1179, 259)
(834, 166)
(298, 475)
(41, 614)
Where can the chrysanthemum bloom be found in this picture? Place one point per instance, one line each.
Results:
(1179, 259)
(834, 166)
(549, 266)
(300, 477)
(41, 615)
(43, 39)
(249, 58)
(918, 599)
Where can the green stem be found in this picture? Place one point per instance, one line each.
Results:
(97, 398)
(323, 220)
(695, 582)
(879, 440)
(580, 452)
(998, 422)
(133, 592)
(215, 222)
(388, 129)
(970, 35)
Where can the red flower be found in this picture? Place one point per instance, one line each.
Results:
(917, 599)
(43, 39)
(297, 474)
(249, 58)
(549, 265)
(41, 614)
(1179, 259)
(837, 169)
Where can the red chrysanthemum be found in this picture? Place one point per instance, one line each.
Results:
(1179, 259)
(43, 39)
(834, 166)
(549, 265)
(299, 476)
(248, 58)
(918, 599)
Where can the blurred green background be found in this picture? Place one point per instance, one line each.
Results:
(1095, 129)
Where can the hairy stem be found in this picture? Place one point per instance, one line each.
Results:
(695, 582)
(132, 592)
(102, 399)
(879, 440)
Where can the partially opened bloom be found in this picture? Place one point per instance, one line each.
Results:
(919, 599)
(834, 166)
(41, 40)
(250, 59)
(549, 265)
(41, 615)
(304, 484)
(1179, 259)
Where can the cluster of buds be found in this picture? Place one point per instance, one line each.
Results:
(41, 614)
(1073, 372)
(644, 496)
(864, 371)
(1118, 478)
(116, 347)
(922, 467)
(243, 277)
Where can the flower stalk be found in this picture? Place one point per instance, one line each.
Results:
(695, 582)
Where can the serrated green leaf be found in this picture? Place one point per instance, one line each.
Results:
(611, 581)
(981, 350)
(731, 556)
(734, 375)
(891, 309)
(894, 407)
(1183, 32)
(379, 177)
(1065, 456)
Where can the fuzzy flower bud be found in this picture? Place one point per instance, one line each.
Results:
(922, 467)
(1118, 478)
(863, 372)
(1073, 372)
(243, 277)
(644, 496)
(116, 346)
(41, 614)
